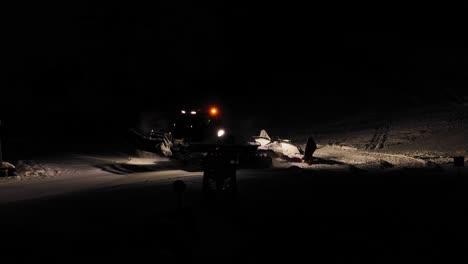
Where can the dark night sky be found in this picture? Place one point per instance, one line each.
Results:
(111, 60)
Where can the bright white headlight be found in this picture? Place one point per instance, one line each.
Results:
(193, 113)
(221, 132)
(183, 111)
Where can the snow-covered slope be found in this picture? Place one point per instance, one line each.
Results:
(424, 132)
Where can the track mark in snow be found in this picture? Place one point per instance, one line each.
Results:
(379, 138)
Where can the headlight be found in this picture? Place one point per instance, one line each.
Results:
(221, 132)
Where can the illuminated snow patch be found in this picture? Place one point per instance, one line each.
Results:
(146, 161)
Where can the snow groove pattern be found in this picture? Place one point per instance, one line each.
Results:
(379, 138)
